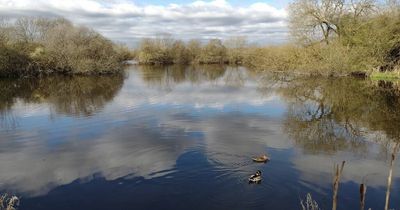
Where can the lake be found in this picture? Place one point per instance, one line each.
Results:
(177, 137)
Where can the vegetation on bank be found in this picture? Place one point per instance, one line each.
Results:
(33, 46)
(336, 37)
(165, 50)
(330, 37)
(392, 75)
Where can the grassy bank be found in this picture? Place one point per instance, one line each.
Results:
(393, 75)
(34, 46)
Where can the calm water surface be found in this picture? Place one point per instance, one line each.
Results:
(182, 138)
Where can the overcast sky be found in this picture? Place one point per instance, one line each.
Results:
(127, 21)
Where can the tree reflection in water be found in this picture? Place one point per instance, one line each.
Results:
(335, 114)
(77, 95)
(169, 76)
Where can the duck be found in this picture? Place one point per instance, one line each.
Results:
(261, 159)
(255, 178)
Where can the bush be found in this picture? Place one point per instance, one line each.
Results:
(12, 62)
(332, 38)
(155, 51)
(169, 51)
(32, 46)
(79, 50)
(213, 53)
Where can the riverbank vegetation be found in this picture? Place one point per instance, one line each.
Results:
(328, 37)
(33, 46)
(336, 38)
(166, 50)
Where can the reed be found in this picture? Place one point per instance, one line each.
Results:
(389, 180)
(309, 203)
(8, 202)
(336, 181)
(363, 192)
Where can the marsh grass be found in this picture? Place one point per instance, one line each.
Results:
(309, 203)
(8, 202)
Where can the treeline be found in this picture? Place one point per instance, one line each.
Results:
(32, 46)
(329, 37)
(165, 50)
(336, 37)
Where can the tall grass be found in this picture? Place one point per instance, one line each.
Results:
(309, 203)
(8, 202)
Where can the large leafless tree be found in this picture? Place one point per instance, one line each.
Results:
(320, 20)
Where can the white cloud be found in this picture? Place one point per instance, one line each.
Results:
(233, 87)
(316, 168)
(128, 138)
(126, 22)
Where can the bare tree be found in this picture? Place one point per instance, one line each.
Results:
(214, 52)
(311, 19)
(361, 7)
(235, 47)
(4, 30)
(393, 5)
(194, 49)
(26, 29)
(320, 20)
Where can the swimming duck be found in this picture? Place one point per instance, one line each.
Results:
(261, 159)
(255, 178)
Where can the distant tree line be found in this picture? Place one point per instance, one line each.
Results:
(329, 37)
(166, 50)
(32, 46)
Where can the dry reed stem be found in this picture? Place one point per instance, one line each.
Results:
(389, 183)
(363, 192)
(8, 202)
(336, 180)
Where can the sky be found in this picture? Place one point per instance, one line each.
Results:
(128, 21)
